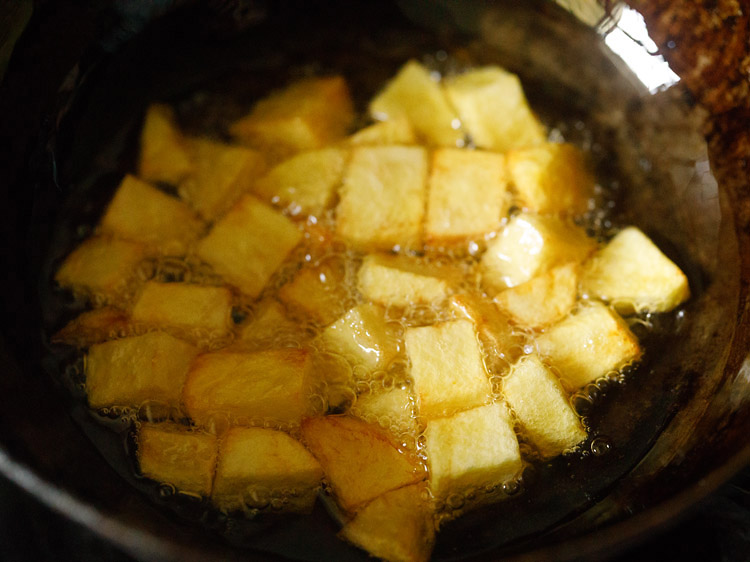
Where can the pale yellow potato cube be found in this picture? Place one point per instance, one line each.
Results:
(590, 344)
(471, 450)
(310, 113)
(258, 466)
(447, 368)
(466, 194)
(95, 326)
(397, 526)
(413, 94)
(164, 156)
(493, 109)
(634, 275)
(542, 300)
(392, 409)
(178, 456)
(249, 244)
(223, 172)
(542, 407)
(382, 199)
(359, 459)
(530, 245)
(194, 312)
(306, 183)
(318, 292)
(394, 281)
(272, 387)
(269, 326)
(393, 131)
(102, 268)
(142, 213)
(131, 371)
(551, 179)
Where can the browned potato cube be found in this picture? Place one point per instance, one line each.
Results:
(393, 131)
(95, 326)
(393, 409)
(394, 281)
(164, 156)
(318, 291)
(269, 326)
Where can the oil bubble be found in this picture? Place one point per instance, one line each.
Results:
(600, 446)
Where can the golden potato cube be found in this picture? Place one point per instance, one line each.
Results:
(542, 300)
(102, 268)
(268, 326)
(318, 291)
(590, 344)
(310, 113)
(493, 109)
(130, 371)
(397, 526)
(382, 198)
(471, 450)
(393, 131)
(306, 182)
(145, 214)
(223, 172)
(552, 178)
(164, 156)
(634, 275)
(530, 245)
(392, 281)
(359, 460)
(392, 409)
(363, 337)
(447, 368)
(542, 407)
(257, 466)
(270, 386)
(249, 244)
(194, 312)
(466, 194)
(413, 94)
(95, 326)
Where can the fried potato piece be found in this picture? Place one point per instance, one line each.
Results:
(142, 213)
(319, 292)
(271, 387)
(467, 194)
(269, 325)
(178, 456)
(542, 407)
(95, 326)
(493, 109)
(382, 198)
(130, 371)
(258, 467)
(634, 275)
(164, 157)
(471, 450)
(414, 95)
(249, 244)
(359, 460)
(396, 526)
(394, 281)
(447, 368)
(551, 178)
(591, 343)
(393, 131)
(393, 409)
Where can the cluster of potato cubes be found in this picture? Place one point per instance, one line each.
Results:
(358, 309)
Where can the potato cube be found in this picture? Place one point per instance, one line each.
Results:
(258, 466)
(466, 194)
(222, 174)
(310, 113)
(359, 460)
(551, 178)
(415, 95)
(634, 275)
(306, 182)
(249, 244)
(268, 327)
(318, 291)
(393, 131)
(530, 245)
(95, 326)
(539, 402)
(542, 300)
(164, 156)
(590, 344)
(393, 281)
(249, 388)
(493, 109)
(178, 456)
(102, 268)
(382, 198)
(396, 526)
(194, 312)
(392, 409)
(447, 368)
(471, 450)
(130, 371)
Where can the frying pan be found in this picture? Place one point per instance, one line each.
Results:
(672, 162)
